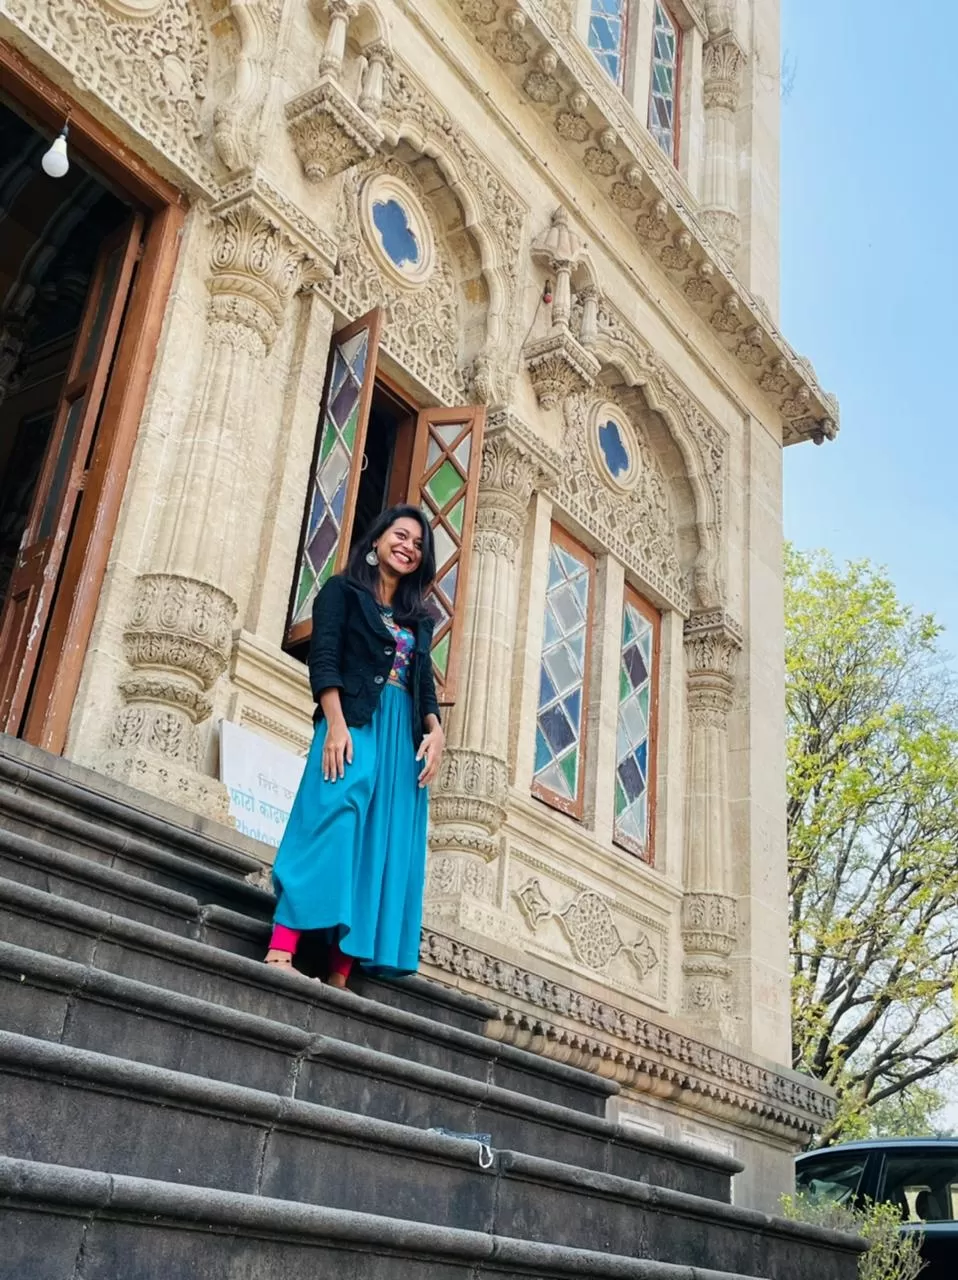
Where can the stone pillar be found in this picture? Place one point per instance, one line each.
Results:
(468, 803)
(179, 635)
(709, 917)
(378, 62)
(340, 13)
(723, 67)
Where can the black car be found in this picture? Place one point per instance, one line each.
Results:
(920, 1175)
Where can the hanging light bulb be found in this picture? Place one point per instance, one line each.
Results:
(55, 162)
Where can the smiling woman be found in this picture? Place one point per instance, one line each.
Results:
(352, 862)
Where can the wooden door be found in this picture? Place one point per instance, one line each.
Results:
(33, 582)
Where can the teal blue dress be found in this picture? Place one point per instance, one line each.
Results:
(353, 857)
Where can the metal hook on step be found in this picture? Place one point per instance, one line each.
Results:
(483, 1142)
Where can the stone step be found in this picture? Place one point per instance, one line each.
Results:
(86, 1008)
(238, 989)
(61, 1105)
(59, 1223)
(80, 879)
(66, 805)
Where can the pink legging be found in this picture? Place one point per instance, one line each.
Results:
(284, 939)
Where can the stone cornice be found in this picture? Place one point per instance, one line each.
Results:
(536, 49)
(557, 1021)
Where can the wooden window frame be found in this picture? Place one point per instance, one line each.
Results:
(679, 72)
(651, 614)
(405, 485)
(296, 633)
(559, 536)
(70, 625)
(475, 415)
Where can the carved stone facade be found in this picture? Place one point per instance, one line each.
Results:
(531, 250)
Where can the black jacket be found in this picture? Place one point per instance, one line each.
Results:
(352, 650)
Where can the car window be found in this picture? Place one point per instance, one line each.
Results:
(924, 1185)
(830, 1178)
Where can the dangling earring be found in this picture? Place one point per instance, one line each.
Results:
(371, 557)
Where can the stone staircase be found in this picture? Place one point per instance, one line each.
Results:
(170, 1107)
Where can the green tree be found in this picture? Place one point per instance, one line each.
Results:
(872, 720)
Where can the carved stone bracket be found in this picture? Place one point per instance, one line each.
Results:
(559, 367)
(236, 120)
(588, 924)
(561, 80)
(329, 131)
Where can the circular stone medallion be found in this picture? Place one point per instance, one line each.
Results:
(613, 447)
(397, 229)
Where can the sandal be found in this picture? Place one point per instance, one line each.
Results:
(279, 959)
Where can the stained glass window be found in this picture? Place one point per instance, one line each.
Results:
(613, 449)
(607, 31)
(448, 454)
(634, 748)
(558, 770)
(664, 96)
(327, 512)
(397, 237)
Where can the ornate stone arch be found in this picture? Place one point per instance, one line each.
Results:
(625, 357)
(638, 518)
(492, 213)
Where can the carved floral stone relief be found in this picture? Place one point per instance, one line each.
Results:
(590, 928)
(147, 60)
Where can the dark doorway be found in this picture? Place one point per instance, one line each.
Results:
(384, 477)
(66, 264)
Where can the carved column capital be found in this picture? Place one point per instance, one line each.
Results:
(723, 72)
(177, 644)
(468, 802)
(515, 463)
(713, 641)
(256, 267)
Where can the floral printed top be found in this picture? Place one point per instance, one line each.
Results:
(405, 642)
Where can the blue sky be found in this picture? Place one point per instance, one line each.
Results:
(870, 283)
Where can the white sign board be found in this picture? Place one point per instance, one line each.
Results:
(261, 780)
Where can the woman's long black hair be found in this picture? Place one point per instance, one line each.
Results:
(409, 603)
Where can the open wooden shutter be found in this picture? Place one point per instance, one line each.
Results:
(445, 482)
(334, 474)
(35, 575)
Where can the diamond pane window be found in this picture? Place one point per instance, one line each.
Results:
(341, 435)
(635, 747)
(558, 772)
(446, 463)
(607, 32)
(664, 94)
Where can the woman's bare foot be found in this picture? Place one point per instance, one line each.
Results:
(337, 980)
(279, 959)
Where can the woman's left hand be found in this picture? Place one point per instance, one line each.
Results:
(430, 752)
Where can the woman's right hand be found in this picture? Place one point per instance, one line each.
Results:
(337, 750)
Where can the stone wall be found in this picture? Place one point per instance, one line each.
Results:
(573, 267)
